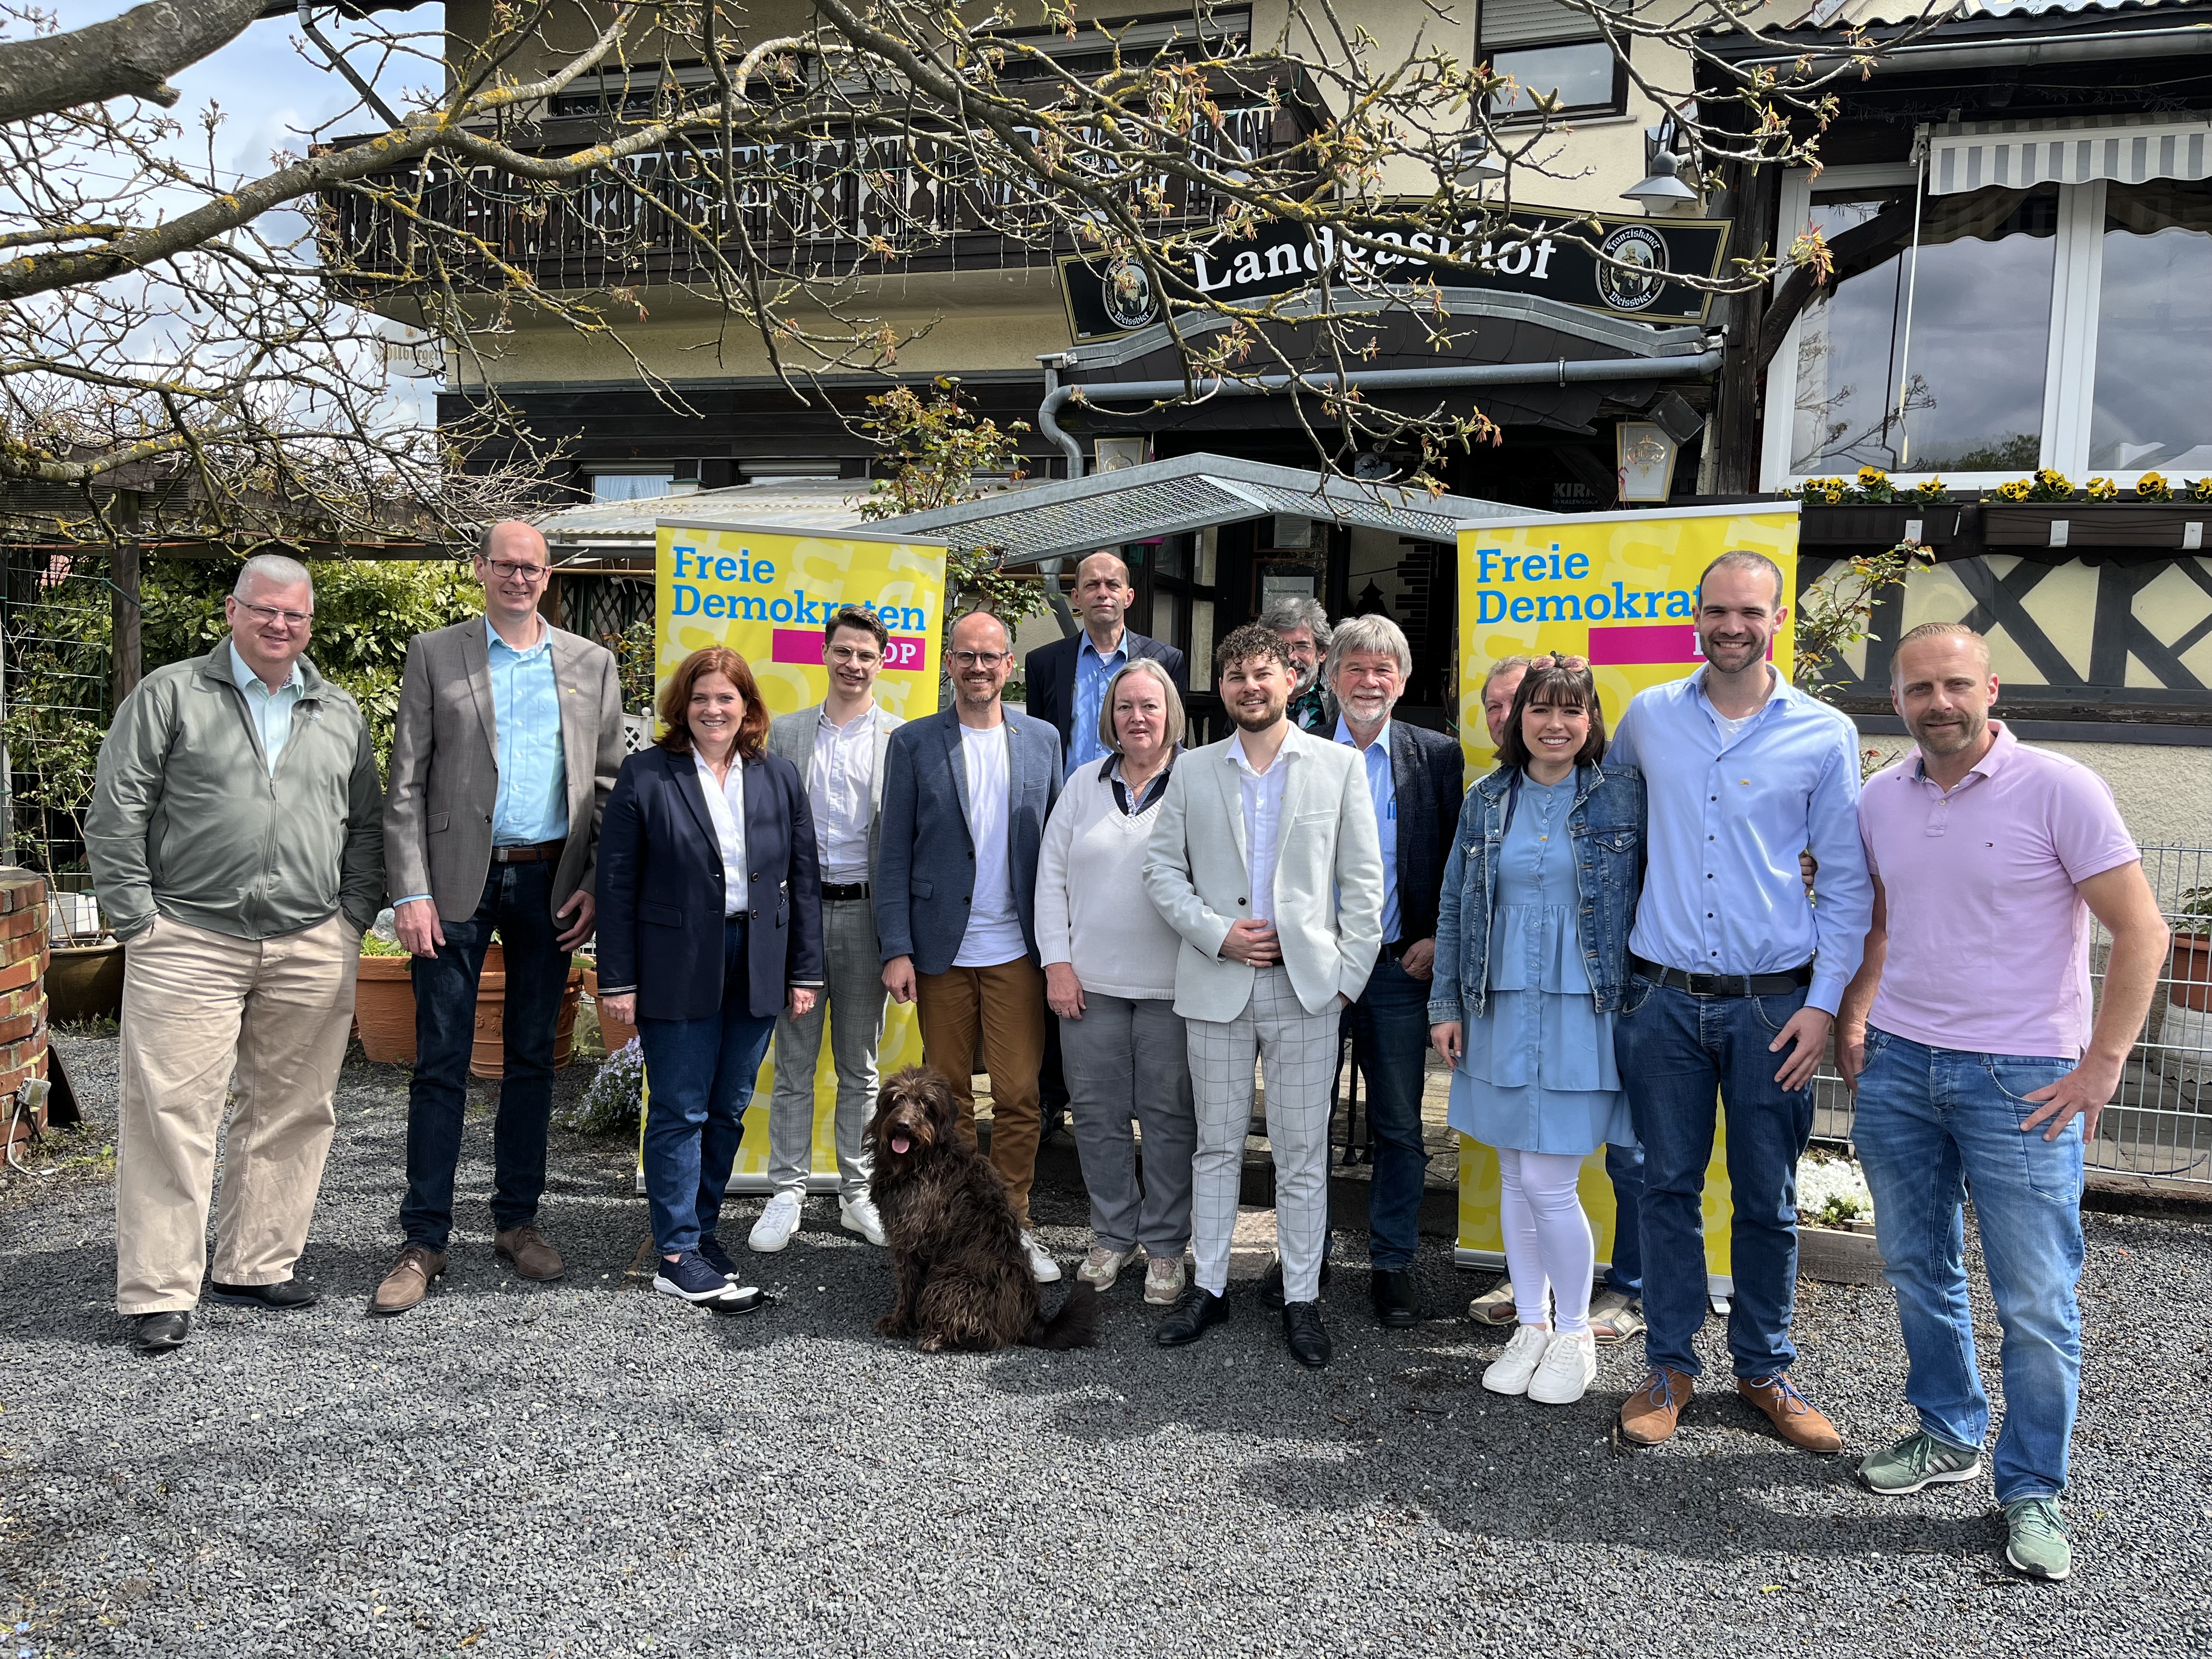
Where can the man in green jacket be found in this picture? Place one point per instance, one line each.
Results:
(237, 845)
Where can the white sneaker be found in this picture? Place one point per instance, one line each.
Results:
(860, 1215)
(1042, 1268)
(1569, 1367)
(1509, 1372)
(776, 1224)
(1164, 1280)
(1103, 1265)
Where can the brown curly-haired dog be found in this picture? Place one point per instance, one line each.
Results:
(963, 1278)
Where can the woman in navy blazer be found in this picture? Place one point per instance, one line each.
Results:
(710, 925)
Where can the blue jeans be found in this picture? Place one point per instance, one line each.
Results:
(699, 1076)
(1624, 1167)
(1676, 1052)
(1930, 1122)
(1390, 1025)
(518, 900)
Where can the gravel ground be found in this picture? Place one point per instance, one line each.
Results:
(584, 1468)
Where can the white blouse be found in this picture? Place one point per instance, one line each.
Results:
(725, 805)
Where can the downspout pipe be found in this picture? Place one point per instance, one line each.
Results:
(1563, 371)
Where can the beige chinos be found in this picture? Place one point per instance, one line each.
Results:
(193, 1003)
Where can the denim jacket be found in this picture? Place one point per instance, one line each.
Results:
(1608, 824)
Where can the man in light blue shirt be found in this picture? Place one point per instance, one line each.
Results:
(1736, 976)
(505, 750)
(271, 707)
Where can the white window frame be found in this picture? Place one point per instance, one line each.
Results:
(2070, 377)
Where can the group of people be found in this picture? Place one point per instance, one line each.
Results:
(1602, 938)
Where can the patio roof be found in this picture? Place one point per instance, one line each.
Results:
(1163, 498)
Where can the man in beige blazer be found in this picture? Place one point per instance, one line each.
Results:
(1267, 860)
(838, 746)
(508, 739)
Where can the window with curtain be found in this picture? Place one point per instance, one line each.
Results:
(2154, 330)
(1547, 47)
(1971, 368)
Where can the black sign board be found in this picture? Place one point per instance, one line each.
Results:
(1534, 253)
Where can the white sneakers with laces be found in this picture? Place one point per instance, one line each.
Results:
(1509, 1372)
(860, 1215)
(1042, 1268)
(777, 1223)
(1103, 1265)
(1570, 1366)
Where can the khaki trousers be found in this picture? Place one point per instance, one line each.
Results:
(1004, 1005)
(197, 1005)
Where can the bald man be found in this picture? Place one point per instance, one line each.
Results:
(506, 745)
(1067, 678)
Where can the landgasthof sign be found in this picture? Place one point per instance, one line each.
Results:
(1621, 266)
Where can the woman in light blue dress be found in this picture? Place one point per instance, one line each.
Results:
(1532, 960)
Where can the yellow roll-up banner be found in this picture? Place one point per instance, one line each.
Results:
(1620, 589)
(766, 594)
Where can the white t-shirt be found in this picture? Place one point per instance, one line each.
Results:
(1731, 728)
(994, 927)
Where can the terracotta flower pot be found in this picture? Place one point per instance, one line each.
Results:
(613, 1034)
(84, 981)
(2191, 971)
(488, 1055)
(384, 1010)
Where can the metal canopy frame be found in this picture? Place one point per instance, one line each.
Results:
(1193, 492)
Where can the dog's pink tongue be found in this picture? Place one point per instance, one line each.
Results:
(899, 1145)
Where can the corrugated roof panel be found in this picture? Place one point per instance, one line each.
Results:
(1827, 14)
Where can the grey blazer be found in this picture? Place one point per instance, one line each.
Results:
(926, 865)
(792, 736)
(445, 769)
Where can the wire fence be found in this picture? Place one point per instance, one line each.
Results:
(2158, 1127)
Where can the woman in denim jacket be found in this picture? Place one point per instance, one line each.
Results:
(1532, 959)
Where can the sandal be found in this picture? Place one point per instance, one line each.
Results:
(1615, 1318)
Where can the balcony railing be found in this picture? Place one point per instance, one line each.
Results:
(661, 215)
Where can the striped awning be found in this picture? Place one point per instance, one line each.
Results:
(2074, 150)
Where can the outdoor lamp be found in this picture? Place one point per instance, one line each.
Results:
(1478, 161)
(1662, 190)
(1646, 452)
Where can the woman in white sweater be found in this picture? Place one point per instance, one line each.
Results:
(1110, 962)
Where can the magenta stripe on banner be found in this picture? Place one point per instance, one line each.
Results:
(1631, 647)
(802, 646)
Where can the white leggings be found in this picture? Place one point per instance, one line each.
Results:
(1548, 1242)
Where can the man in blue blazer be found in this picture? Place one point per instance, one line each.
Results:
(1067, 678)
(966, 793)
(1414, 777)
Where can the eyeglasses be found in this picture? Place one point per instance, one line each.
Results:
(847, 653)
(270, 613)
(508, 571)
(979, 659)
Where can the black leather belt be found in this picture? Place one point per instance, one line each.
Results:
(848, 889)
(1726, 985)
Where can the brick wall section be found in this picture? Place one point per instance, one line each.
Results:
(23, 957)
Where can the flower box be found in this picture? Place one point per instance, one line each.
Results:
(2176, 525)
(1883, 524)
(1840, 1256)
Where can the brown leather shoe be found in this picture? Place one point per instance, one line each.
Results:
(526, 1249)
(1649, 1416)
(1793, 1416)
(408, 1281)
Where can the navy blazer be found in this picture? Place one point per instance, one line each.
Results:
(1425, 772)
(925, 878)
(1049, 672)
(660, 891)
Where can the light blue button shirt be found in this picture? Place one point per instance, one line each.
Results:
(533, 803)
(271, 710)
(1724, 893)
(1382, 790)
(1093, 672)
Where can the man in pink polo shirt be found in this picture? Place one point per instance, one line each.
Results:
(1969, 1035)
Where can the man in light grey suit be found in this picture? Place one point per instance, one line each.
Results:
(838, 746)
(508, 742)
(966, 793)
(1266, 858)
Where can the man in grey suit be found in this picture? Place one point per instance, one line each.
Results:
(966, 793)
(838, 746)
(508, 742)
(1267, 860)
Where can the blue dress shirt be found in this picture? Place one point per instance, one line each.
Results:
(1093, 672)
(271, 710)
(533, 803)
(1724, 893)
(1382, 790)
